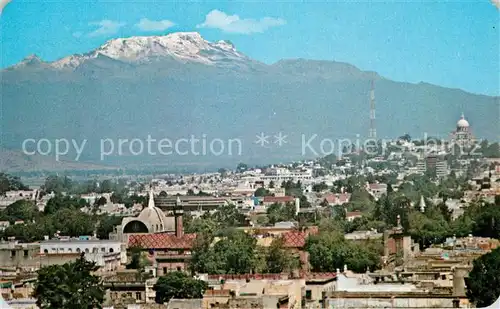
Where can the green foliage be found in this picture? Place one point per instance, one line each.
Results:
(69, 221)
(59, 202)
(262, 192)
(233, 254)
(292, 188)
(242, 167)
(201, 225)
(279, 260)
(57, 184)
(278, 212)
(360, 200)
(490, 150)
(101, 201)
(68, 286)
(9, 183)
(329, 251)
(236, 253)
(20, 210)
(319, 187)
(487, 221)
(137, 259)
(178, 285)
(483, 284)
(107, 224)
(228, 216)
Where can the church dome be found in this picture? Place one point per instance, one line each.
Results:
(155, 218)
(462, 123)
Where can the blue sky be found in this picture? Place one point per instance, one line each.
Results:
(453, 44)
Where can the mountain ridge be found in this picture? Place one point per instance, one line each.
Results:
(230, 96)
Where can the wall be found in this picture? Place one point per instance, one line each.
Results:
(387, 302)
(76, 246)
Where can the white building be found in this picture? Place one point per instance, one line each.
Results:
(107, 254)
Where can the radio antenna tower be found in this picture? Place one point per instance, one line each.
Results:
(373, 131)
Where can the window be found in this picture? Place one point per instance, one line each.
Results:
(138, 296)
(111, 250)
(103, 249)
(164, 270)
(70, 250)
(45, 251)
(95, 250)
(25, 253)
(78, 250)
(13, 253)
(308, 294)
(179, 268)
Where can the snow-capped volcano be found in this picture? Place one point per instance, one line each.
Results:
(182, 46)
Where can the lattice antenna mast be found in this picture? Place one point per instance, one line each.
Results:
(373, 131)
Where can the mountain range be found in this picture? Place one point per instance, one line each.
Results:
(179, 85)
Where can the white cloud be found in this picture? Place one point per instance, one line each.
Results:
(105, 27)
(3, 4)
(496, 3)
(77, 34)
(154, 25)
(234, 24)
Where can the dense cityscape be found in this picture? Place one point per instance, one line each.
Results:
(249, 154)
(405, 223)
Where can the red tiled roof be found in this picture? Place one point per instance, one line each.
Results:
(337, 198)
(278, 199)
(297, 239)
(377, 186)
(350, 214)
(302, 274)
(161, 241)
(320, 275)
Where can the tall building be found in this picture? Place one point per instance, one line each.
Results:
(462, 136)
(436, 165)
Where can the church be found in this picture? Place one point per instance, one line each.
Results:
(151, 220)
(462, 136)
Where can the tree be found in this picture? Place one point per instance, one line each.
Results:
(106, 225)
(278, 212)
(8, 183)
(137, 260)
(228, 216)
(261, 192)
(59, 202)
(329, 251)
(318, 187)
(487, 221)
(57, 184)
(106, 186)
(279, 260)
(242, 167)
(101, 201)
(178, 285)
(236, 252)
(203, 259)
(21, 210)
(483, 284)
(68, 286)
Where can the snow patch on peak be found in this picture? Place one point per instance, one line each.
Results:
(181, 46)
(30, 60)
(33, 57)
(226, 45)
